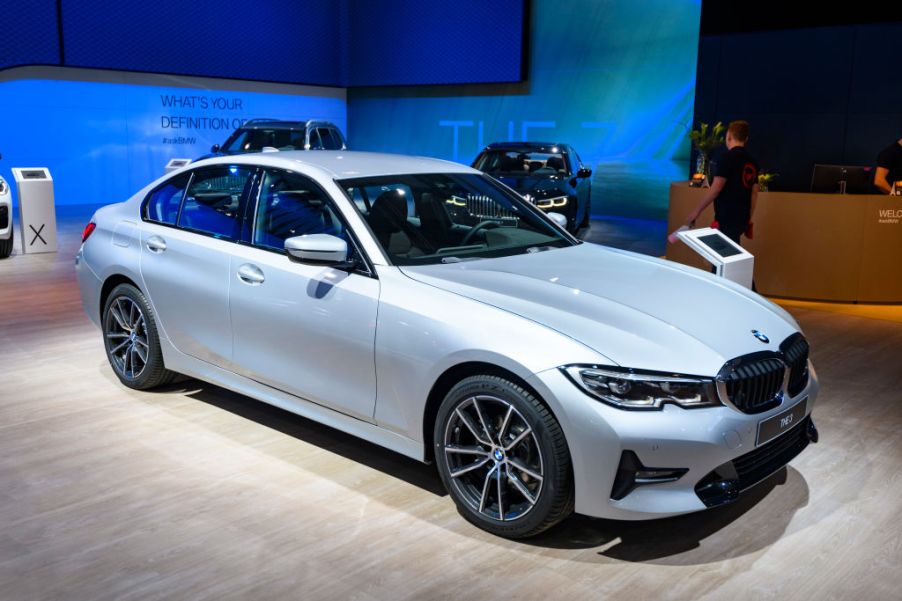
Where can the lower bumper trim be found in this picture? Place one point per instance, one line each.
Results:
(726, 481)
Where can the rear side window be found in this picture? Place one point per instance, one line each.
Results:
(329, 138)
(212, 203)
(315, 142)
(163, 203)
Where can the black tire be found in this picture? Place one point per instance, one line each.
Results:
(131, 340)
(539, 463)
(6, 246)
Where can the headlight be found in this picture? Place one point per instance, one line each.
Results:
(556, 201)
(627, 389)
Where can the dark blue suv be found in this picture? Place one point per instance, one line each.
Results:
(551, 176)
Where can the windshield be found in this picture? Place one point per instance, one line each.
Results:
(523, 162)
(433, 218)
(254, 140)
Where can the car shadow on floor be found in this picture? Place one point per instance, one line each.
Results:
(335, 441)
(755, 521)
(759, 518)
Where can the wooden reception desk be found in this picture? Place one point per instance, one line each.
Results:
(833, 247)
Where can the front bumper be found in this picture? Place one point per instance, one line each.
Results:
(698, 441)
(6, 213)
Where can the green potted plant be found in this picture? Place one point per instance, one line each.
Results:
(705, 139)
(764, 180)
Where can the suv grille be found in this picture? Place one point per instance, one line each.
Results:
(795, 351)
(754, 386)
(4, 217)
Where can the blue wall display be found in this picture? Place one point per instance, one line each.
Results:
(104, 141)
(614, 79)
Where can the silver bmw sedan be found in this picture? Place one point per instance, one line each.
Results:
(424, 306)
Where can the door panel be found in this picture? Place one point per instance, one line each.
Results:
(188, 285)
(306, 330)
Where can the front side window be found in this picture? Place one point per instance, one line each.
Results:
(212, 203)
(163, 203)
(423, 219)
(292, 205)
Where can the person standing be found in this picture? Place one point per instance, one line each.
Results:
(889, 167)
(734, 190)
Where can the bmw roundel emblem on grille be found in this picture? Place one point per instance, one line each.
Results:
(760, 336)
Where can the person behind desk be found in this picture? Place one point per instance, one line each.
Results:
(889, 167)
(734, 190)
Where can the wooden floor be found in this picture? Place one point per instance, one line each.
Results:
(195, 492)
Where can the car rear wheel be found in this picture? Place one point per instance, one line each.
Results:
(131, 340)
(503, 458)
(6, 246)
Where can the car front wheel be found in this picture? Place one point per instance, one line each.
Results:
(503, 458)
(131, 340)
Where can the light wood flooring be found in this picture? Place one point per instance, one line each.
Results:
(195, 492)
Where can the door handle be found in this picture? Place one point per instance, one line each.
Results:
(155, 244)
(251, 274)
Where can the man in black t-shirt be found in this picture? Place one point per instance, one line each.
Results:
(889, 167)
(734, 190)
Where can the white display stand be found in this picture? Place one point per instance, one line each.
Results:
(37, 213)
(730, 260)
(174, 164)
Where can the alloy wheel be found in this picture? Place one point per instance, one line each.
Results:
(125, 331)
(493, 458)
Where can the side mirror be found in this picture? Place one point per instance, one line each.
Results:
(214, 148)
(584, 172)
(559, 219)
(319, 249)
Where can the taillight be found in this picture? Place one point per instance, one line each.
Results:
(89, 229)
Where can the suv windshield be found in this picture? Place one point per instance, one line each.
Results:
(433, 218)
(522, 162)
(251, 140)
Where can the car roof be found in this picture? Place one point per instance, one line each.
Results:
(342, 164)
(525, 146)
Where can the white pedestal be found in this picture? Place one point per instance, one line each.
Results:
(37, 212)
(730, 260)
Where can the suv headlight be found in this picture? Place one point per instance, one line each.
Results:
(556, 201)
(630, 389)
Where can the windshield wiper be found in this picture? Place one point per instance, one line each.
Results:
(538, 249)
(458, 259)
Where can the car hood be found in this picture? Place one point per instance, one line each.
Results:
(636, 311)
(541, 185)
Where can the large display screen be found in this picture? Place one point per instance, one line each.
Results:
(321, 42)
(104, 141)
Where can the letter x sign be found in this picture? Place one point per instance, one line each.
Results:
(37, 235)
